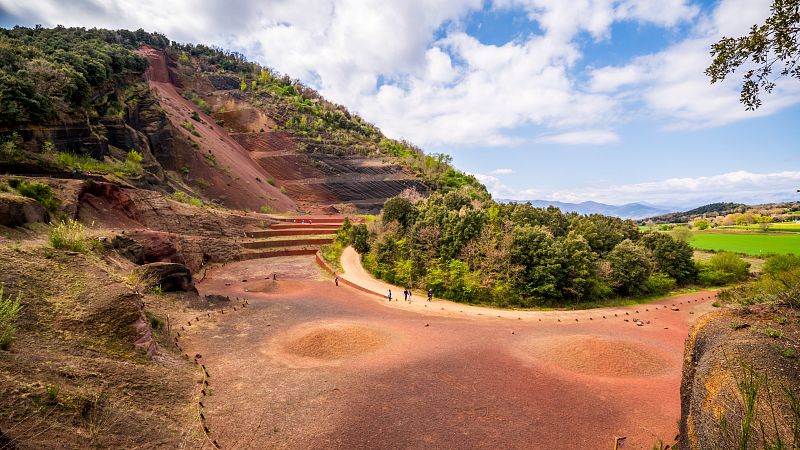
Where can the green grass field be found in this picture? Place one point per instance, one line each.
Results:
(747, 243)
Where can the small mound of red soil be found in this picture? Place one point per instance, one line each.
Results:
(599, 356)
(335, 342)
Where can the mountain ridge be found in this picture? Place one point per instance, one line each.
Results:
(634, 210)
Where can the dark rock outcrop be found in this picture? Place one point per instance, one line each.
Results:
(170, 276)
(16, 210)
(130, 248)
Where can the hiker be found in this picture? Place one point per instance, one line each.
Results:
(405, 295)
(390, 295)
(336, 280)
(274, 276)
(430, 294)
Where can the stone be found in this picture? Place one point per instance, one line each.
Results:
(129, 248)
(170, 276)
(16, 210)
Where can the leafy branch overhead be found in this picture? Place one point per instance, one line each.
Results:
(769, 49)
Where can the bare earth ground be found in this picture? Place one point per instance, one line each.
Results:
(311, 365)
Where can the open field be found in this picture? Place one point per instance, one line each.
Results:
(756, 244)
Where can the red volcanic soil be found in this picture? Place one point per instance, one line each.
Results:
(249, 188)
(311, 365)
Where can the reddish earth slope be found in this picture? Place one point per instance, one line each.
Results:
(215, 161)
(321, 182)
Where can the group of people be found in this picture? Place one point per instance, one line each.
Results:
(406, 294)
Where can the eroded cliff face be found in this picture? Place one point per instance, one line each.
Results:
(732, 355)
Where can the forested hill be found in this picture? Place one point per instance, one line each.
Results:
(725, 209)
(75, 99)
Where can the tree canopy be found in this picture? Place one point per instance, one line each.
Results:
(768, 48)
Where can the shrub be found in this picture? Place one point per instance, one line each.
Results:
(195, 116)
(659, 283)
(10, 309)
(781, 263)
(730, 263)
(708, 276)
(266, 209)
(133, 163)
(40, 192)
(69, 235)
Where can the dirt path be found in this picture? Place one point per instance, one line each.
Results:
(310, 365)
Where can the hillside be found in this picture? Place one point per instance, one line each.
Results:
(723, 210)
(201, 121)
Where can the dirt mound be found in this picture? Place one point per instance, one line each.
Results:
(598, 356)
(335, 342)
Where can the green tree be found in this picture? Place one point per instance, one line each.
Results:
(701, 224)
(673, 257)
(579, 267)
(359, 238)
(400, 209)
(533, 249)
(771, 46)
(630, 266)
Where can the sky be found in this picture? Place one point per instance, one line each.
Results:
(602, 100)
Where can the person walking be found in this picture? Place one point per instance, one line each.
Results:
(274, 276)
(430, 295)
(336, 280)
(405, 295)
(390, 295)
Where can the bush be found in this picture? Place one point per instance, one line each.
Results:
(70, 235)
(781, 263)
(40, 192)
(659, 283)
(708, 276)
(730, 263)
(10, 309)
(133, 163)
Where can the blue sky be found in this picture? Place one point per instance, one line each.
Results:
(599, 100)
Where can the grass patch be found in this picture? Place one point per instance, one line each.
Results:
(332, 254)
(773, 333)
(10, 309)
(70, 235)
(132, 165)
(746, 243)
(188, 199)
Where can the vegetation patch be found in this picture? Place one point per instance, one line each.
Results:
(71, 235)
(10, 309)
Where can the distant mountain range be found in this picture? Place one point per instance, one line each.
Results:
(627, 211)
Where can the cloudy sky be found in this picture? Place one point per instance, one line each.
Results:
(601, 100)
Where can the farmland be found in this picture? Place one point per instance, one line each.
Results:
(755, 244)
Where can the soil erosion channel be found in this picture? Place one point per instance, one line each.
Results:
(310, 365)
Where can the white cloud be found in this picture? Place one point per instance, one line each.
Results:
(451, 91)
(740, 186)
(593, 137)
(671, 83)
(502, 171)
